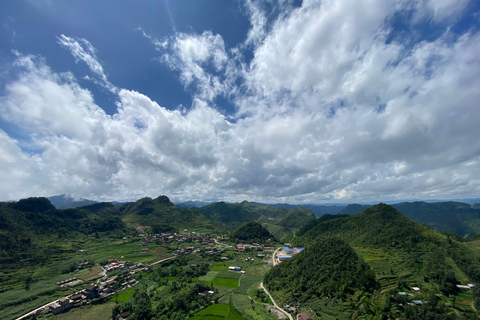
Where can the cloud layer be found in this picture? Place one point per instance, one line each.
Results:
(333, 106)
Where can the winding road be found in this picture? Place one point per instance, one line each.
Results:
(274, 303)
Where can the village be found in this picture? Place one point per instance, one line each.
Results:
(119, 274)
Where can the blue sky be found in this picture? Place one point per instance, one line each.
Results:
(274, 101)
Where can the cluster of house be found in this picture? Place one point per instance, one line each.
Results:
(287, 253)
(169, 238)
(80, 298)
(420, 302)
(242, 247)
(207, 250)
(114, 264)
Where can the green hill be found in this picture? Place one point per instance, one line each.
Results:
(163, 216)
(252, 231)
(455, 217)
(404, 254)
(327, 267)
(26, 225)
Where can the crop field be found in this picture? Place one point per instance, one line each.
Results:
(90, 274)
(223, 282)
(219, 268)
(217, 312)
(209, 276)
(124, 296)
(97, 312)
(245, 283)
(229, 274)
(254, 311)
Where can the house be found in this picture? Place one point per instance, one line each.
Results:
(145, 250)
(61, 305)
(304, 316)
(76, 296)
(287, 251)
(91, 291)
(234, 268)
(417, 289)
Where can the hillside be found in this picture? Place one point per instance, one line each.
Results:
(327, 267)
(280, 222)
(402, 252)
(161, 215)
(252, 232)
(456, 217)
(26, 223)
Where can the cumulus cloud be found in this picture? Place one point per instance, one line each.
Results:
(201, 60)
(332, 107)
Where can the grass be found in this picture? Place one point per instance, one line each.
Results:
(97, 312)
(16, 302)
(219, 268)
(124, 296)
(222, 282)
(209, 276)
(217, 312)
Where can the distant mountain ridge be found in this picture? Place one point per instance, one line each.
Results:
(65, 201)
(280, 222)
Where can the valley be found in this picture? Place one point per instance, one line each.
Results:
(153, 260)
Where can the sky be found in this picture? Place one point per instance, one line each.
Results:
(272, 101)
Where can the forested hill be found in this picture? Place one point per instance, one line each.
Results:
(23, 223)
(280, 222)
(327, 267)
(163, 216)
(253, 232)
(380, 226)
(404, 254)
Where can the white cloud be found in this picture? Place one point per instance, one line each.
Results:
(200, 59)
(440, 10)
(83, 50)
(258, 21)
(327, 110)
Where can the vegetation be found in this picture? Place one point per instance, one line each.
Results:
(327, 267)
(280, 222)
(353, 266)
(252, 231)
